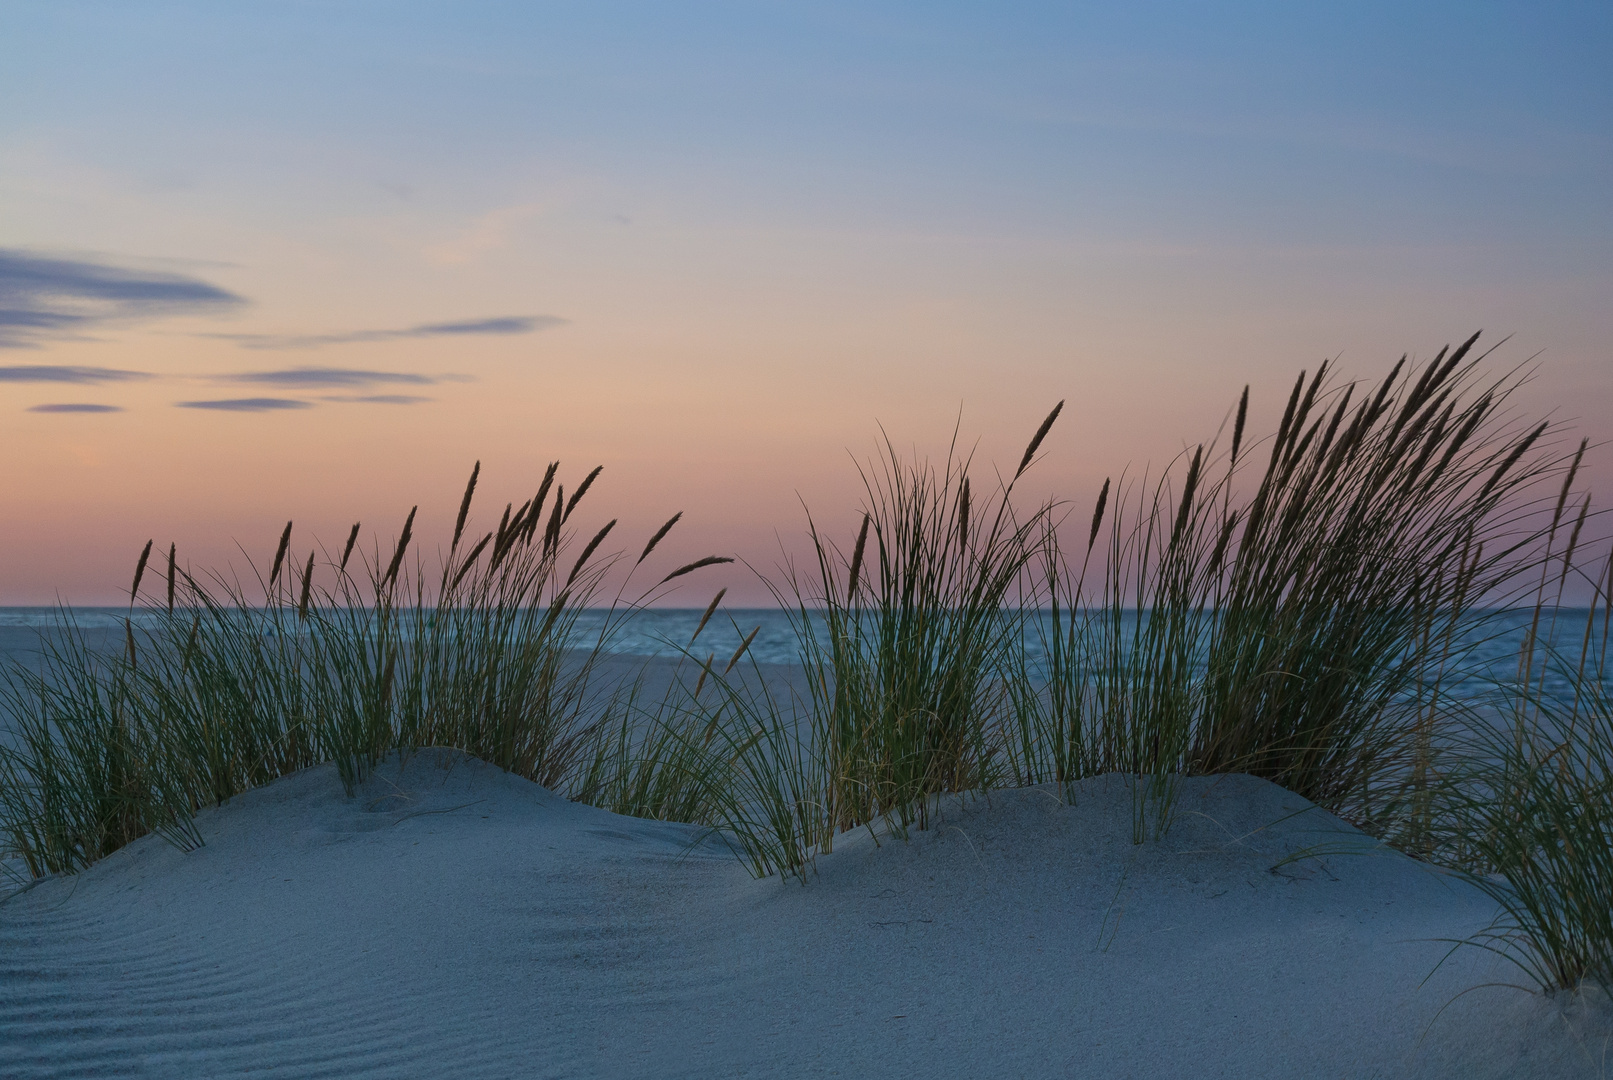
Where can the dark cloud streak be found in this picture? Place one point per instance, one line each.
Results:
(315, 377)
(43, 296)
(378, 399)
(72, 408)
(509, 324)
(68, 373)
(255, 404)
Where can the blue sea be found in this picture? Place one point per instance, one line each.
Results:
(1496, 637)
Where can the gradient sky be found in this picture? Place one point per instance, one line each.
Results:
(311, 260)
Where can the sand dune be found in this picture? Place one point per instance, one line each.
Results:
(457, 921)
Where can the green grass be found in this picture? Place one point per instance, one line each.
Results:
(353, 655)
(905, 641)
(1299, 617)
(1524, 807)
(1531, 807)
(1294, 606)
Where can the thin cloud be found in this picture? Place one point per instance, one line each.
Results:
(251, 404)
(507, 324)
(74, 408)
(44, 297)
(487, 233)
(305, 378)
(67, 373)
(378, 399)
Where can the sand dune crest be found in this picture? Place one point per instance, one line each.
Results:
(453, 920)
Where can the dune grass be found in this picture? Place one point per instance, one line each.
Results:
(347, 657)
(1296, 607)
(1532, 805)
(1294, 626)
(85, 776)
(905, 641)
(1524, 809)
(741, 758)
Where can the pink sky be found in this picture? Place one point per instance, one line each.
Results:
(744, 250)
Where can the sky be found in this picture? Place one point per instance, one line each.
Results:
(312, 260)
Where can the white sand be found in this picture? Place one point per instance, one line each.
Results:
(456, 921)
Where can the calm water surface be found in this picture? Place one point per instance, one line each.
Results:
(1496, 637)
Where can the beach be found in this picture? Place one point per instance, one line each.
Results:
(770, 541)
(454, 920)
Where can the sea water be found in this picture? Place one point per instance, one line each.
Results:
(1489, 642)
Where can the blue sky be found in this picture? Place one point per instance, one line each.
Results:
(732, 237)
(1364, 122)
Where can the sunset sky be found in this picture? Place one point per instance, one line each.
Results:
(304, 260)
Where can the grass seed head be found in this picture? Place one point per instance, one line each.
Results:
(582, 489)
(1097, 514)
(551, 534)
(1237, 425)
(279, 555)
(706, 617)
(1333, 424)
(705, 669)
(464, 505)
(347, 549)
(660, 534)
(743, 645)
(857, 559)
(307, 584)
(470, 561)
(582, 559)
(963, 514)
(139, 572)
(1036, 440)
(501, 539)
(537, 502)
(1378, 401)
(403, 545)
(1281, 442)
(1187, 494)
(1518, 451)
(1304, 411)
(709, 560)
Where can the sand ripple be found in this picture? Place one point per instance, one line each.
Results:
(456, 921)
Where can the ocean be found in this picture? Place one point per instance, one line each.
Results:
(1495, 638)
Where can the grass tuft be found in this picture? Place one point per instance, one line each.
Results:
(226, 691)
(1301, 614)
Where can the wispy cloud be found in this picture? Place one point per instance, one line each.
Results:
(305, 378)
(43, 297)
(75, 408)
(377, 399)
(508, 324)
(251, 404)
(487, 233)
(67, 373)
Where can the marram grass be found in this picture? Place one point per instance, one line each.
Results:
(353, 655)
(1524, 807)
(1295, 606)
(1299, 595)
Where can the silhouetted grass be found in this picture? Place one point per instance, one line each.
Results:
(1295, 627)
(1524, 807)
(1294, 607)
(347, 658)
(905, 640)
